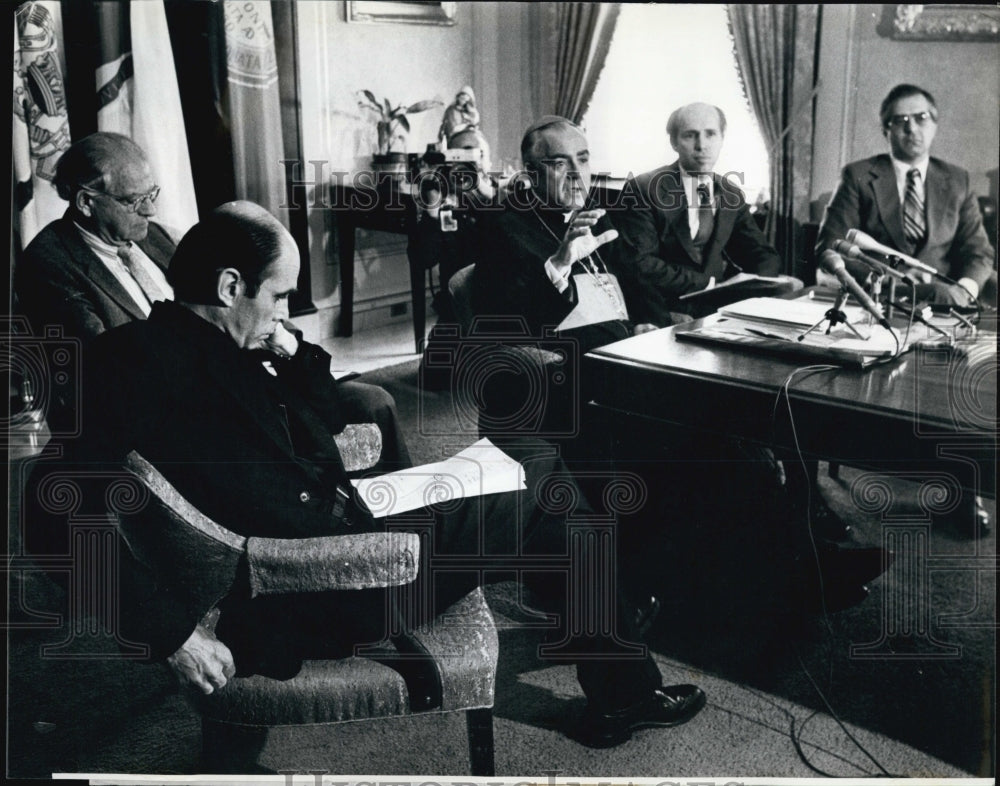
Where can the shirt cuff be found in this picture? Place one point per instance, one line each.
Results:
(560, 280)
(969, 285)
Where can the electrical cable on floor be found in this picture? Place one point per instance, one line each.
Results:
(797, 742)
(786, 390)
(833, 714)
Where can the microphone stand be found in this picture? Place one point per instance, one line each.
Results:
(836, 316)
(874, 284)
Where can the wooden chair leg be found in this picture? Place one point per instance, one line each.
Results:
(480, 724)
(228, 747)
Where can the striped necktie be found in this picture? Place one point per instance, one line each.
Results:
(914, 226)
(145, 281)
(706, 221)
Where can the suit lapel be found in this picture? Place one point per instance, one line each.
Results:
(725, 218)
(937, 196)
(157, 246)
(253, 400)
(228, 370)
(670, 193)
(96, 272)
(887, 198)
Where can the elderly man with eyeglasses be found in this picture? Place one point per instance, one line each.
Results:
(102, 264)
(916, 204)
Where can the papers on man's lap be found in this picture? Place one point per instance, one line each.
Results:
(480, 469)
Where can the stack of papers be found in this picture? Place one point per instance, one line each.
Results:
(480, 469)
(802, 312)
(839, 343)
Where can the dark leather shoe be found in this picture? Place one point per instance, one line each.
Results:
(853, 566)
(981, 518)
(841, 577)
(645, 615)
(667, 706)
(837, 596)
(970, 518)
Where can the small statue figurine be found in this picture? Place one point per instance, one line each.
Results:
(460, 116)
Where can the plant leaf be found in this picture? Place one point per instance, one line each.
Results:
(403, 122)
(370, 96)
(422, 106)
(388, 108)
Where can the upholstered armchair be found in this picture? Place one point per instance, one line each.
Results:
(165, 529)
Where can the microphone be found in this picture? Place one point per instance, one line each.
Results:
(853, 252)
(834, 265)
(884, 253)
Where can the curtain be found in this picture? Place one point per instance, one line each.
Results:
(255, 105)
(775, 47)
(572, 47)
(138, 97)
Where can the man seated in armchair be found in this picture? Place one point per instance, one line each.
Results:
(254, 452)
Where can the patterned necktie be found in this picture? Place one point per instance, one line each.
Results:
(145, 281)
(706, 221)
(914, 226)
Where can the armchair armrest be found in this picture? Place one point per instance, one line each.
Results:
(198, 558)
(337, 562)
(360, 446)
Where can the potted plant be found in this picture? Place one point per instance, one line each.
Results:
(393, 128)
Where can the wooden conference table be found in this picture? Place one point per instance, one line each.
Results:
(927, 411)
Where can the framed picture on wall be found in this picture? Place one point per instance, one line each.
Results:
(950, 22)
(416, 12)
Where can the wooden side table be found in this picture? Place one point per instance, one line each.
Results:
(387, 207)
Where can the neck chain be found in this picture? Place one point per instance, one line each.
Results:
(600, 274)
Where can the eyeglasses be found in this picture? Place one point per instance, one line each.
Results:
(131, 204)
(920, 118)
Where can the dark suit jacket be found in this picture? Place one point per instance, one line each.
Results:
(868, 199)
(510, 278)
(256, 454)
(209, 417)
(656, 240)
(60, 281)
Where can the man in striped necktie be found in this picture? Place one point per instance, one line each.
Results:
(924, 207)
(917, 204)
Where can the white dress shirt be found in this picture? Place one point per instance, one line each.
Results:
(108, 254)
(901, 169)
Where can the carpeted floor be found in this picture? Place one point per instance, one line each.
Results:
(919, 703)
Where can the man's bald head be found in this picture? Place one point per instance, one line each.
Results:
(534, 134)
(696, 109)
(696, 133)
(556, 155)
(239, 235)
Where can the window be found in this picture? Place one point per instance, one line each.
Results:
(661, 57)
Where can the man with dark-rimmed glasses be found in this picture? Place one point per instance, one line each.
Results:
(917, 204)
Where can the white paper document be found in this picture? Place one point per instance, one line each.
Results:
(801, 312)
(480, 469)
